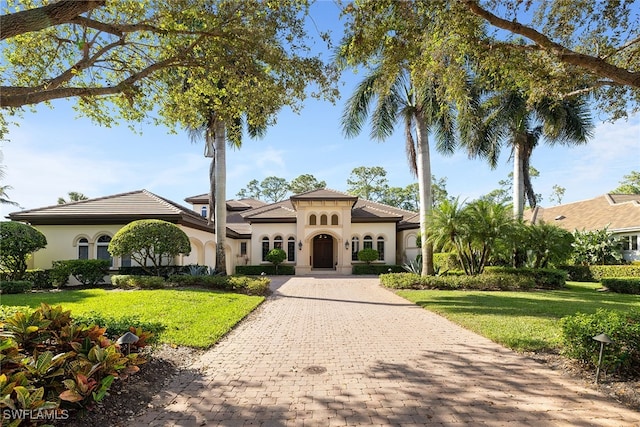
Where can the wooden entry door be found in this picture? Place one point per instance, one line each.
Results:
(323, 251)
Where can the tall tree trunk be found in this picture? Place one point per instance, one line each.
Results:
(220, 195)
(423, 162)
(518, 179)
(526, 177)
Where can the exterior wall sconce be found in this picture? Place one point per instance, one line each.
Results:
(346, 245)
(300, 245)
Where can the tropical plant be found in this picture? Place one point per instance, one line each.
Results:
(396, 98)
(547, 244)
(152, 243)
(471, 230)
(17, 242)
(596, 247)
(509, 118)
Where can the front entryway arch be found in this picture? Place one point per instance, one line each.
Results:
(322, 255)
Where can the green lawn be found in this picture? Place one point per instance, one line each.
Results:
(523, 321)
(192, 317)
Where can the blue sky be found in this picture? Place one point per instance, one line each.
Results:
(53, 151)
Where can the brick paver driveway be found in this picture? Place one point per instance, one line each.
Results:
(343, 351)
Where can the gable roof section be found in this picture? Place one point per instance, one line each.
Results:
(232, 205)
(117, 209)
(618, 212)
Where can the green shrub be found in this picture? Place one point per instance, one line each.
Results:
(141, 282)
(623, 355)
(622, 285)
(445, 261)
(10, 310)
(578, 273)
(239, 283)
(39, 278)
(376, 269)
(276, 256)
(593, 273)
(600, 271)
(544, 278)
(86, 271)
(368, 255)
(118, 326)
(15, 286)
(17, 242)
(489, 282)
(257, 270)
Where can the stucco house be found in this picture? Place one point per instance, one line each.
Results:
(619, 213)
(321, 231)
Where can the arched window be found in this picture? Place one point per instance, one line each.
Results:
(312, 219)
(334, 219)
(323, 219)
(355, 248)
(277, 242)
(367, 242)
(102, 246)
(83, 249)
(203, 211)
(291, 249)
(265, 248)
(380, 248)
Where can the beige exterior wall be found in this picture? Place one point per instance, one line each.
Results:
(407, 249)
(386, 231)
(270, 231)
(62, 244)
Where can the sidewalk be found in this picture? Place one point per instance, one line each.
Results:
(344, 351)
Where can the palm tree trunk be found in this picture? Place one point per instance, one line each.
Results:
(518, 180)
(423, 163)
(526, 178)
(220, 195)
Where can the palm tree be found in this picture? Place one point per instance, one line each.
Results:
(74, 196)
(421, 111)
(509, 118)
(217, 134)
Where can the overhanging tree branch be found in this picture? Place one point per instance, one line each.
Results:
(592, 64)
(40, 18)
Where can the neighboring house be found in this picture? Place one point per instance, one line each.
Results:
(321, 231)
(619, 213)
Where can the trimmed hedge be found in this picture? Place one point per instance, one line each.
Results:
(593, 273)
(86, 271)
(376, 269)
(143, 282)
(545, 278)
(15, 286)
(622, 355)
(622, 285)
(481, 282)
(39, 278)
(269, 269)
(245, 284)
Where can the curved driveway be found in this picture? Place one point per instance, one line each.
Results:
(344, 351)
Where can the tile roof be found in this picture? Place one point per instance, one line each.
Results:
(617, 212)
(118, 208)
(362, 211)
(233, 205)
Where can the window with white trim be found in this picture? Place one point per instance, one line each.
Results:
(102, 248)
(83, 248)
(265, 248)
(380, 248)
(355, 248)
(367, 242)
(291, 249)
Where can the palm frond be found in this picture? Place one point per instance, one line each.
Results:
(410, 145)
(356, 110)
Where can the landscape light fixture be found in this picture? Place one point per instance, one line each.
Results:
(602, 339)
(128, 339)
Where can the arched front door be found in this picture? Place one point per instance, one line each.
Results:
(323, 251)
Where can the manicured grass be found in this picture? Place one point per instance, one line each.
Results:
(192, 317)
(523, 321)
